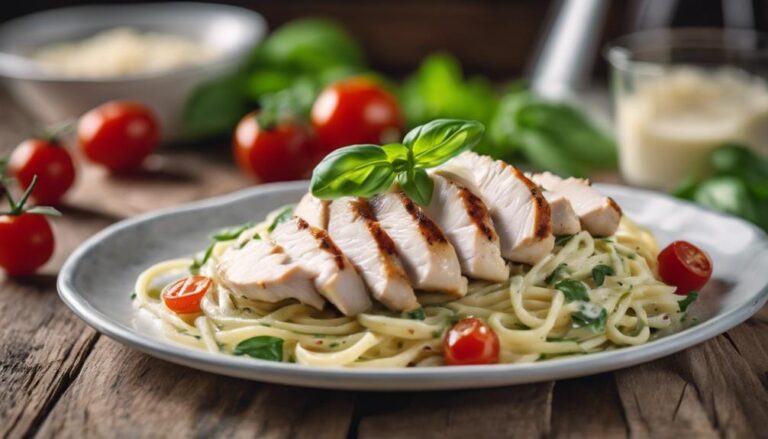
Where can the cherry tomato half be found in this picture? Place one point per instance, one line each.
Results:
(184, 295)
(471, 341)
(685, 266)
(356, 110)
(287, 151)
(26, 243)
(52, 164)
(118, 135)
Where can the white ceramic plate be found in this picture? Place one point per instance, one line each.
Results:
(97, 280)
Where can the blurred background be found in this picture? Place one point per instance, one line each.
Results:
(669, 95)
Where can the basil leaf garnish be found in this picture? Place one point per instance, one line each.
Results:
(600, 271)
(367, 170)
(359, 170)
(262, 346)
(198, 263)
(417, 185)
(563, 239)
(590, 316)
(281, 217)
(417, 314)
(573, 290)
(435, 142)
(689, 299)
(231, 233)
(556, 273)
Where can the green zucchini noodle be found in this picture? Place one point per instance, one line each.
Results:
(533, 319)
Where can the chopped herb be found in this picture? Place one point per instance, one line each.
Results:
(333, 345)
(262, 346)
(231, 233)
(197, 337)
(556, 274)
(562, 240)
(590, 316)
(265, 324)
(600, 271)
(133, 295)
(573, 290)
(689, 299)
(437, 333)
(417, 314)
(255, 237)
(291, 359)
(520, 326)
(198, 263)
(281, 217)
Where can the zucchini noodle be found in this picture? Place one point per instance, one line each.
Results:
(533, 318)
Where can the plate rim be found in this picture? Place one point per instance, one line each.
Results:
(387, 379)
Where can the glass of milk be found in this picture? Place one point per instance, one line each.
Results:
(681, 93)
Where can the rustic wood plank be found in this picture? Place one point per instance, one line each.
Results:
(520, 411)
(587, 407)
(42, 345)
(122, 392)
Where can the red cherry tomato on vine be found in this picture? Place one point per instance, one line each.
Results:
(685, 266)
(184, 295)
(118, 135)
(471, 341)
(52, 164)
(356, 110)
(26, 243)
(286, 151)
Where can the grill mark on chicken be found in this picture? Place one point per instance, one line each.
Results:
(477, 211)
(325, 242)
(429, 230)
(613, 204)
(543, 213)
(383, 240)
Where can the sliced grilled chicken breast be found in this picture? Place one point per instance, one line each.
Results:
(312, 210)
(429, 259)
(564, 218)
(263, 271)
(335, 277)
(599, 215)
(466, 222)
(520, 213)
(356, 232)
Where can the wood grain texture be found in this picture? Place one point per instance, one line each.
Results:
(586, 408)
(121, 392)
(520, 411)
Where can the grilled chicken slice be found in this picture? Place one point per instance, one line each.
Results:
(335, 277)
(312, 210)
(520, 213)
(564, 218)
(429, 259)
(466, 222)
(263, 271)
(356, 232)
(599, 215)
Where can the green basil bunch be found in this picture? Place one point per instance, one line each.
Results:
(367, 170)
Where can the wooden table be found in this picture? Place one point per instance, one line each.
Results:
(59, 377)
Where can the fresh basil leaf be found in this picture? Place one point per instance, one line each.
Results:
(417, 314)
(263, 347)
(357, 170)
(545, 152)
(231, 233)
(599, 272)
(556, 273)
(281, 217)
(689, 299)
(214, 107)
(398, 156)
(590, 316)
(573, 290)
(417, 185)
(433, 143)
(730, 195)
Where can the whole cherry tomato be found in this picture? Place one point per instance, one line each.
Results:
(471, 341)
(685, 266)
(356, 110)
(52, 164)
(286, 151)
(26, 243)
(184, 295)
(118, 135)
